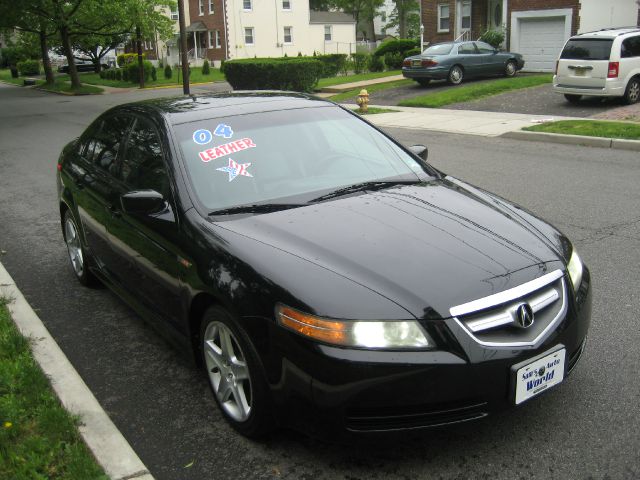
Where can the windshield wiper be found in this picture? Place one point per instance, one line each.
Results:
(256, 208)
(358, 187)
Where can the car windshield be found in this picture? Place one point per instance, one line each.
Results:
(440, 49)
(288, 156)
(587, 49)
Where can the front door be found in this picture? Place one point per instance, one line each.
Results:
(463, 19)
(494, 15)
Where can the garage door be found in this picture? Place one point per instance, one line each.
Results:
(540, 42)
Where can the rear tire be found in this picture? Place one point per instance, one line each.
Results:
(572, 98)
(456, 74)
(77, 255)
(632, 93)
(234, 373)
(423, 82)
(510, 69)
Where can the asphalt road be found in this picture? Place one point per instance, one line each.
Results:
(587, 428)
(535, 100)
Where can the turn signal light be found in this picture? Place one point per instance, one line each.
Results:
(406, 63)
(310, 326)
(614, 68)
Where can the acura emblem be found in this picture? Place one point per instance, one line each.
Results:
(524, 316)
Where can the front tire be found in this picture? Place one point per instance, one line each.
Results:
(632, 93)
(456, 74)
(572, 98)
(510, 69)
(77, 254)
(234, 373)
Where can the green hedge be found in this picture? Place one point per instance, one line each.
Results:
(376, 64)
(393, 60)
(297, 73)
(412, 52)
(29, 67)
(401, 46)
(133, 72)
(332, 63)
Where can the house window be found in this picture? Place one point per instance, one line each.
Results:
(288, 37)
(218, 44)
(286, 4)
(210, 37)
(211, 9)
(443, 18)
(174, 14)
(248, 36)
(246, 4)
(327, 33)
(465, 20)
(201, 7)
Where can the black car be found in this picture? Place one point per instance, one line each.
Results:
(82, 67)
(326, 277)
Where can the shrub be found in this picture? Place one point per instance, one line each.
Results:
(103, 73)
(493, 38)
(360, 62)
(154, 73)
(205, 68)
(29, 67)
(332, 63)
(393, 60)
(132, 70)
(298, 74)
(412, 52)
(117, 75)
(401, 46)
(127, 58)
(10, 56)
(168, 73)
(125, 74)
(376, 64)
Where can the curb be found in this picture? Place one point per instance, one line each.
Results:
(615, 143)
(108, 446)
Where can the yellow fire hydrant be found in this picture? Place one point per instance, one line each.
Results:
(363, 101)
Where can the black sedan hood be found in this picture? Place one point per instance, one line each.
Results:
(427, 247)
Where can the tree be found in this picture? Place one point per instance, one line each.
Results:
(96, 47)
(362, 10)
(321, 5)
(406, 17)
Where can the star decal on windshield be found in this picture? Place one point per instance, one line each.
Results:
(234, 169)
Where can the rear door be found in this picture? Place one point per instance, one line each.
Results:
(584, 63)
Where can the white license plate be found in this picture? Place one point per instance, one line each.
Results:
(416, 63)
(580, 72)
(539, 375)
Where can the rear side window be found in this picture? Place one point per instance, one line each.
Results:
(467, 49)
(630, 47)
(587, 49)
(440, 49)
(102, 148)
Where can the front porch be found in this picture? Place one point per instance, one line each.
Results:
(463, 19)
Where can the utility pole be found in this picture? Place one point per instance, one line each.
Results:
(183, 48)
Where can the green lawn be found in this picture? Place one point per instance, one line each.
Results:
(375, 110)
(340, 97)
(38, 438)
(62, 85)
(590, 128)
(328, 82)
(466, 93)
(196, 77)
(5, 75)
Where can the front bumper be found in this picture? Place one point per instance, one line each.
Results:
(328, 390)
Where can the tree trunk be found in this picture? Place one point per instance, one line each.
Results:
(140, 62)
(68, 51)
(46, 61)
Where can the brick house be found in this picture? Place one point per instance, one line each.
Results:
(535, 28)
(206, 36)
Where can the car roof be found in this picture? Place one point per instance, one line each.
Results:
(608, 32)
(185, 109)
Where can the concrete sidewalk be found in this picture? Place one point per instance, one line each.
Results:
(487, 124)
(343, 87)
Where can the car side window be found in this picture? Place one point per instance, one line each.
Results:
(467, 49)
(484, 47)
(102, 149)
(143, 165)
(630, 47)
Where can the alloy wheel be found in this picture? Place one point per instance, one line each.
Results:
(73, 246)
(228, 371)
(510, 69)
(634, 91)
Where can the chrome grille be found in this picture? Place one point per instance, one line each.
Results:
(492, 321)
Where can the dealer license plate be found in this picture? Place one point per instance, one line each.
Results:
(539, 375)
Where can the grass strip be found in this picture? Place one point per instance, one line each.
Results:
(468, 93)
(38, 437)
(63, 86)
(195, 77)
(376, 110)
(340, 97)
(359, 77)
(590, 128)
(5, 76)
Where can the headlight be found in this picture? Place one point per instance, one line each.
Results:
(388, 335)
(575, 269)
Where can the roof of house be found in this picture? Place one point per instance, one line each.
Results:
(330, 17)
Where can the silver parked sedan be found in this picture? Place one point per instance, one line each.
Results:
(455, 61)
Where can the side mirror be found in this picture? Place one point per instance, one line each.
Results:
(420, 150)
(143, 202)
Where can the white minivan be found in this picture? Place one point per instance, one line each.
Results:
(605, 63)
